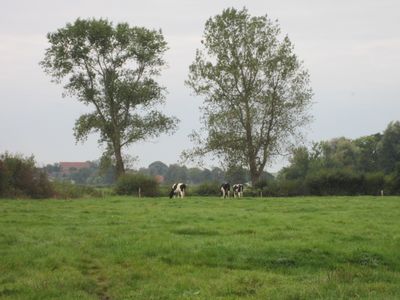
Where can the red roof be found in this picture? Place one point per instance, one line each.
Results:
(77, 165)
(73, 167)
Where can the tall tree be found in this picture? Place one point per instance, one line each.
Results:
(111, 68)
(389, 148)
(256, 91)
(299, 164)
(368, 160)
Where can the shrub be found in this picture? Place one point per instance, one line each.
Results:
(253, 192)
(374, 183)
(285, 188)
(129, 184)
(207, 189)
(164, 189)
(261, 184)
(335, 182)
(67, 190)
(20, 178)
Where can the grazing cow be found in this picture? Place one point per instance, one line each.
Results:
(225, 190)
(237, 190)
(178, 189)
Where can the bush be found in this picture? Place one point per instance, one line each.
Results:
(374, 183)
(285, 188)
(20, 178)
(129, 184)
(261, 184)
(207, 189)
(164, 189)
(335, 182)
(66, 190)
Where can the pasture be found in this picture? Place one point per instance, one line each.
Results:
(200, 248)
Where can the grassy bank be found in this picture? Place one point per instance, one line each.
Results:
(200, 248)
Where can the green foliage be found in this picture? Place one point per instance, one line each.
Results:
(341, 166)
(157, 168)
(392, 181)
(261, 184)
(111, 68)
(200, 248)
(176, 173)
(20, 178)
(257, 93)
(236, 174)
(299, 164)
(94, 175)
(207, 189)
(374, 183)
(129, 184)
(389, 147)
(67, 190)
(368, 159)
(334, 182)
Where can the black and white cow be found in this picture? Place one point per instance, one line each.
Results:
(178, 189)
(225, 190)
(237, 190)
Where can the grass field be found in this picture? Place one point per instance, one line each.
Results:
(200, 248)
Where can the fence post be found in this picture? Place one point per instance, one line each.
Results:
(140, 193)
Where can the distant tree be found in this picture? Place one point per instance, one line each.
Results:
(217, 175)
(236, 174)
(83, 176)
(299, 164)
(257, 93)
(176, 173)
(389, 147)
(206, 175)
(195, 175)
(340, 153)
(111, 68)
(54, 168)
(157, 168)
(368, 160)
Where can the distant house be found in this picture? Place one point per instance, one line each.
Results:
(67, 168)
(159, 178)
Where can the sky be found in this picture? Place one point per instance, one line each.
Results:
(351, 49)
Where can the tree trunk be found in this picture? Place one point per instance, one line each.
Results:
(255, 177)
(119, 166)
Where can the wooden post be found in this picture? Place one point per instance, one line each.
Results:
(382, 193)
(261, 194)
(140, 193)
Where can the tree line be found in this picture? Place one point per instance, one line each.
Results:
(341, 166)
(165, 174)
(368, 165)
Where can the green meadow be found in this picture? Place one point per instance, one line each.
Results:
(200, 248)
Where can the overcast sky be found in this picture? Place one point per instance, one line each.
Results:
(351, 49)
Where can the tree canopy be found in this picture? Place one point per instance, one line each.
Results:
(256, 91)
(366, 165)
(111, 68)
